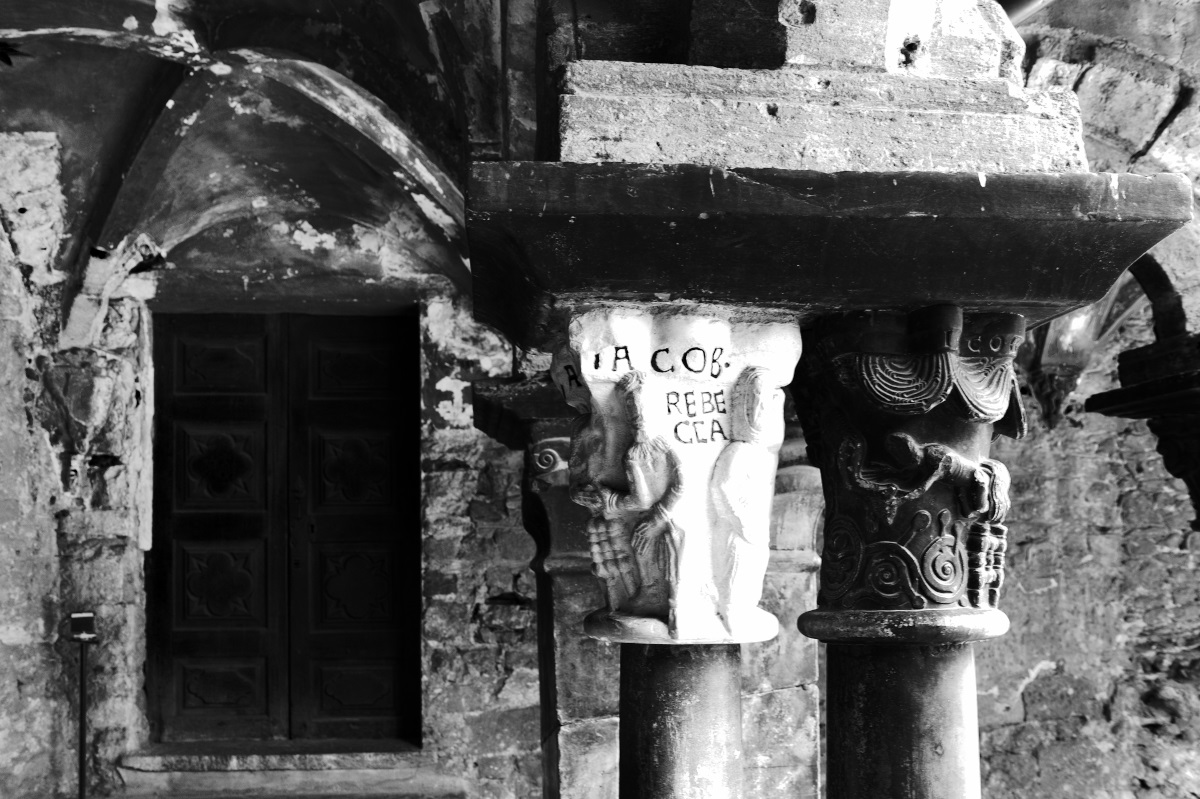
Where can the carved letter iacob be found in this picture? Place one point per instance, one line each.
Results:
(675, 458)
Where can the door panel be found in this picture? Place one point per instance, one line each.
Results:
(218, 568)
(354, 534)
(285, 575)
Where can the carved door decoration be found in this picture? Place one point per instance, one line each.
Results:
(285, 575)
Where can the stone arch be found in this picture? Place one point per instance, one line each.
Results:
(278, 174)
(1165, 302)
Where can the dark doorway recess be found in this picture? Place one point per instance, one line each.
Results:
(284, 580)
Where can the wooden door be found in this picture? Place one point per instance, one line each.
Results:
(355, 611)
(285, 572)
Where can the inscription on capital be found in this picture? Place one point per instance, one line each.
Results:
(675, 458)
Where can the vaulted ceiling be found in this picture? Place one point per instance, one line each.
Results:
(279, 154)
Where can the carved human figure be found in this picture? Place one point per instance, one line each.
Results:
(608, 538)
(743, 485)
(665, 394)
(634, 541)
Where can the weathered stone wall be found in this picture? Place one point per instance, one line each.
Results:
(30, 666)
(480, 654)
(75, 472)
(75, 466)
(1096, 690)
(75, 499)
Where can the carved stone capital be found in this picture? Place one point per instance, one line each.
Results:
(674, 457)
(900, 410)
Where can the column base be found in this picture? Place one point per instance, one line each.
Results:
(883, 627)
(750, 626)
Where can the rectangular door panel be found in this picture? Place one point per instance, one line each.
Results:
(216, 573)
(354, 426)
(284, 580)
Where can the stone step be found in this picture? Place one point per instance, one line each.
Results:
(297, 770)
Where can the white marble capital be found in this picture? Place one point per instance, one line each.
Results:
(675, 458)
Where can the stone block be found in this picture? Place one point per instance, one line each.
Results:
(846, 33)
(404, 781)
(505, 623)
(586, 671)
(751, 38)
(789, 659)
(945, 38)
(495, 731)
(1177, 149)
(514, 543)
(1178, 254)
(31, 719)
(445, 620)
(781, 740)
(1058, 695)
(510, 777)
(1049, 73)
(1126, 97)
(798, 510)
(588, 759)
(106, 571)
(1106, 154)
(520, 689)
(448, 493)
(437, 584)
(812, 119)
(973, 39)
(32, 202)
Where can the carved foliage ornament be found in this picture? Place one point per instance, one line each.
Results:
(901, 431)
(909, 365)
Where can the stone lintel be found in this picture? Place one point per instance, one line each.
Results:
(546, 237)
(1170, 396)
(374, 768)
(1171, 406)
(509, 410)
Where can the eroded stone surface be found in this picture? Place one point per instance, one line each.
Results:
(952, 38)
(814, 119)
(1092, 693)
(29, 764)
(32, 206)
(1127, 97)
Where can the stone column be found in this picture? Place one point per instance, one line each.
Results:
(578, 676)
(675, 461)
(901, 410)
